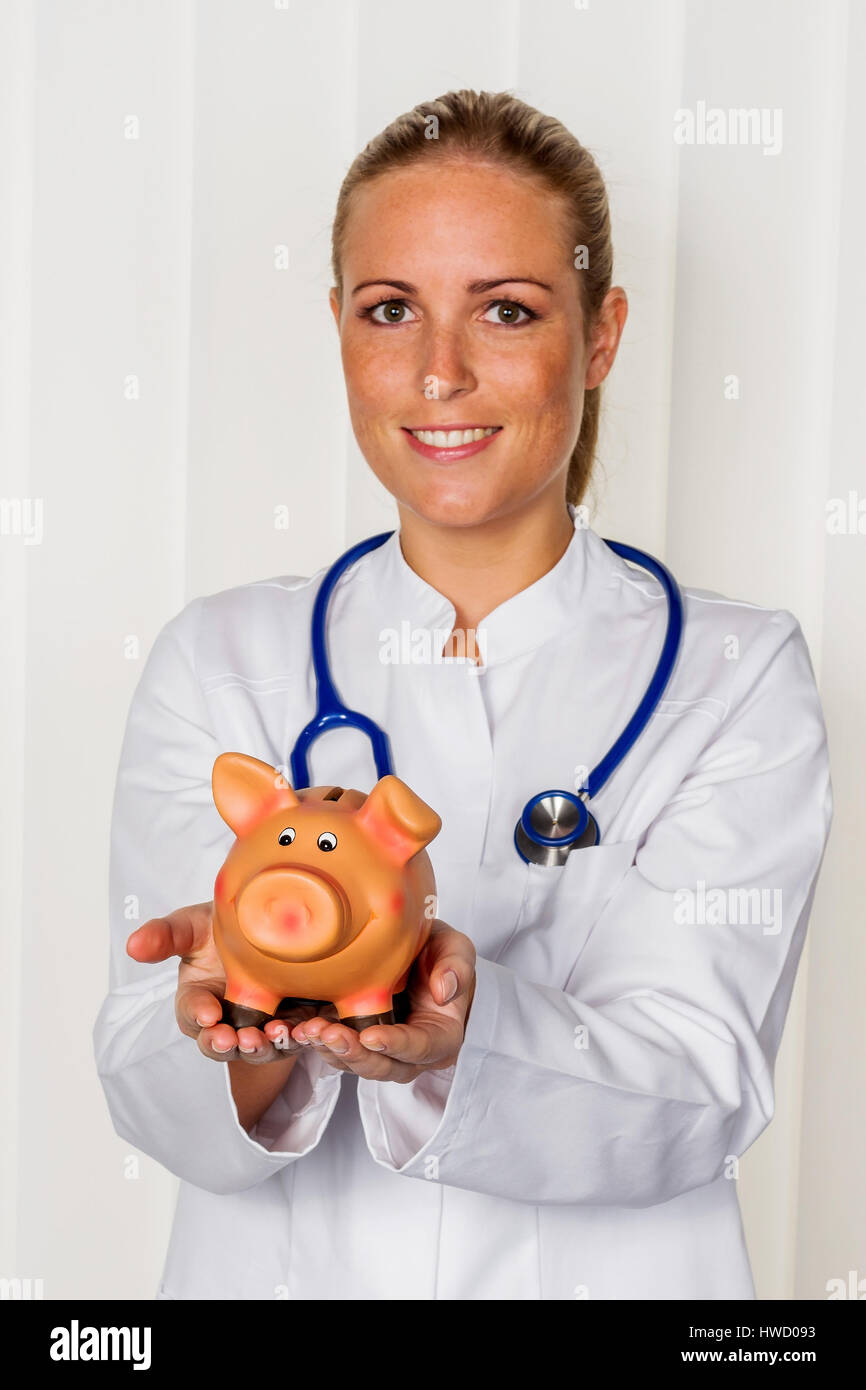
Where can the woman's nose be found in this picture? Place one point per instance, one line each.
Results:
(446, 365)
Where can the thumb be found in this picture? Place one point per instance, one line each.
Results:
(449, 960)
(182, 933)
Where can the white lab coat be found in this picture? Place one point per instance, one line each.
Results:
(619, 1055)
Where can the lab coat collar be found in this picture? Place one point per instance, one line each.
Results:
(406, 603)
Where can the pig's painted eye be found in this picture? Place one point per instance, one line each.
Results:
(287, 836)
(327, 840)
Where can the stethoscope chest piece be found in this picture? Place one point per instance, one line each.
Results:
(552, 825)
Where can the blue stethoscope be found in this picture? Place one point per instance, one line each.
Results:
(553, 823)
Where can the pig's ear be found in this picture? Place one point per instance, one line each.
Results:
(245, 790)
(398, 819)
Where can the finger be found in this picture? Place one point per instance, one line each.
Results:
(448, 959)
(342, 1048)
(278, 1033)
(177, 934)
(422, 1044)
(255, 1047)
(336, 1043)
(220, 1043)
(197, 1007)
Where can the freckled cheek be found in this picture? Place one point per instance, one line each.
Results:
(541, 398)
(376, 381)
(542, 377)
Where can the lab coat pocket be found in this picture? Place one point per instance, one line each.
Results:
(559, 907)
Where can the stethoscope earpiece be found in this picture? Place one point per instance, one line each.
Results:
(552, 825)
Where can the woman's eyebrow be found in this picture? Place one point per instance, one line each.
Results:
(473, 287)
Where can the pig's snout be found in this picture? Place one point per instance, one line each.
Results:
(292, 914)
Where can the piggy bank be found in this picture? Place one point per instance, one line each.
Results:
(325, 895)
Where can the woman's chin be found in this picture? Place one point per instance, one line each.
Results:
(451, 506)
(452, 511)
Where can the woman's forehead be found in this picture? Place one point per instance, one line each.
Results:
(471, 215)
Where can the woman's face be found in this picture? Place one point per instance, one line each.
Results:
(462, 311)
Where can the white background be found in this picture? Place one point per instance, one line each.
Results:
(153, 258)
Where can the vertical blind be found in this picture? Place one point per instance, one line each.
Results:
(173, 422)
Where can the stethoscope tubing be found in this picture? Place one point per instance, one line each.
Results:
(660, 678)
(332, 713)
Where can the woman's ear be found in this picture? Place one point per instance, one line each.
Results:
(246, 789)
(334, 301)
(606, 336)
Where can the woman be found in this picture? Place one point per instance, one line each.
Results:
(561, 1115)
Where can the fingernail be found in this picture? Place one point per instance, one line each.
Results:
(247, 1049)
(376, 1046)
(303, 1040)
(337, 1047)
(217, 1048)
(450, 986)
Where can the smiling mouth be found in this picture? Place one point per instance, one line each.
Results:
(452, 438)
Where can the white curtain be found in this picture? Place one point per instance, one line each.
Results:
(169, 379)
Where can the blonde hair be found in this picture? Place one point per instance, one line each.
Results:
(497, 127)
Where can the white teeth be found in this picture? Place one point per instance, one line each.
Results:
(450, 439)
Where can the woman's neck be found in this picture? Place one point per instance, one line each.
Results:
(478, 567)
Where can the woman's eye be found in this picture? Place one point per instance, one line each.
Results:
(507, 311)
(287, 836)
(392, 311)
(327, 840)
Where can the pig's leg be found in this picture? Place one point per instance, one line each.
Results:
(361, 1021)
(401, 1005)
(364, 1010)
(248, 1006)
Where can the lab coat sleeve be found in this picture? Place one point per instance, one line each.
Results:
(167, 844)
(655, 1066)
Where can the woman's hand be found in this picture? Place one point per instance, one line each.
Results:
(441, 987)
(188, 933)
